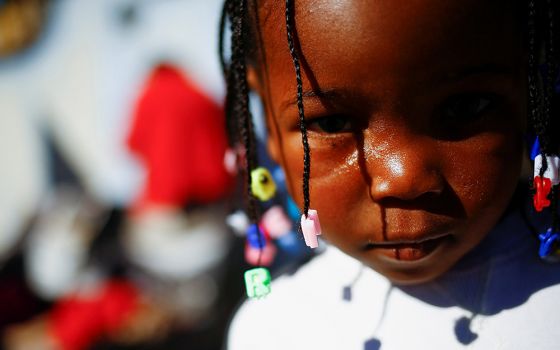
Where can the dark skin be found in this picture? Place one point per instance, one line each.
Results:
(415, 111)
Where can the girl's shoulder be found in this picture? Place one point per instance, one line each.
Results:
(502, 293)
(298, 304)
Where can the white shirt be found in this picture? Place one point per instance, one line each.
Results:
(500, 296)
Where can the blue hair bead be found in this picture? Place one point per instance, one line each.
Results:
(549, 243)
(255, 237)
(536, 149)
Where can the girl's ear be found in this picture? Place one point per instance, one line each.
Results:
(272, 144)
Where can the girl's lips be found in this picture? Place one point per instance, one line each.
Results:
(408, 251)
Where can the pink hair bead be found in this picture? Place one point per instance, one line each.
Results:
(311, 228)
(266, 255)
(276, 222)
(230, 161)
(313, 215)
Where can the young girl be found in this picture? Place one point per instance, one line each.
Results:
(403, 124)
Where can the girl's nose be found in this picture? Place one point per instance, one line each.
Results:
(405, 169)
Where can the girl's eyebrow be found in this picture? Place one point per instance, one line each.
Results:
(317, 94)
(486, 69)
(476, 70)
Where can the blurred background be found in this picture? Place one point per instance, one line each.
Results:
(119, 219)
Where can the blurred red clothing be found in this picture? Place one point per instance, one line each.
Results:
(179, 134)
(78, 321)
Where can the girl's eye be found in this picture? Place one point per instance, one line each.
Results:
(332, 124)
(466, 108)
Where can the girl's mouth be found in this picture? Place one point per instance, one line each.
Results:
(408, 250)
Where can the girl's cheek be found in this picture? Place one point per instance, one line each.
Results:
(335, 175)
(330, 156)
(485, 170)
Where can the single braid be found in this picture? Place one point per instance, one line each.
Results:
(537, 116)
(241, 110)
(548, 89)
(551, 69)
(240, 121)
(235, 114)
(532, 69)
(302, 125)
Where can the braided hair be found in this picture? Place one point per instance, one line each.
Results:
(239, 120)
(542, 81)
(238, 116)
(542, 59)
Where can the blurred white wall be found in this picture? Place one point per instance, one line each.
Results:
(80, 83)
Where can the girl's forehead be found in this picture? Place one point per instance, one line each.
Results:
(372, 39)
(388, 8)
(366, 21)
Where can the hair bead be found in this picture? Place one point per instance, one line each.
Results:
(257, 282)
(263, 186)
(549, 244)
(311, 228)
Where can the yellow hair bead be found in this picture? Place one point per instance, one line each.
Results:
(262, 184)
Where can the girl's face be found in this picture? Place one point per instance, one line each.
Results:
(415, 114)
